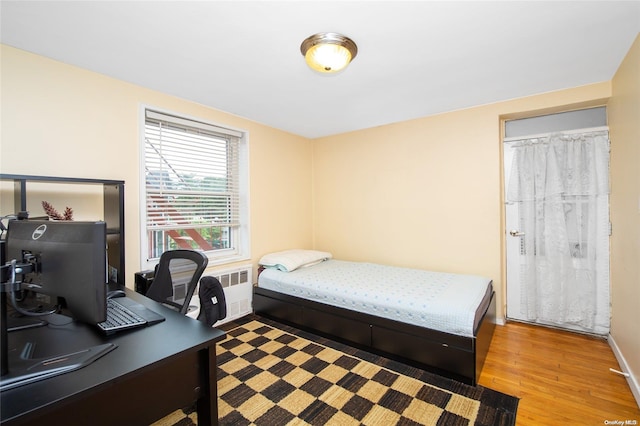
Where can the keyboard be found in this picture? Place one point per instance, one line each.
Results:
(120, 318)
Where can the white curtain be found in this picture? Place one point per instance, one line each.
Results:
(561, 185)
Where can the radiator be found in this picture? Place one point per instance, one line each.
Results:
(237, 284)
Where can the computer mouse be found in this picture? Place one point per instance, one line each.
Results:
(115, 293)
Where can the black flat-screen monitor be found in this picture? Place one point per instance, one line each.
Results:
(69, 262)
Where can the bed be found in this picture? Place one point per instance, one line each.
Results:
(437, 321)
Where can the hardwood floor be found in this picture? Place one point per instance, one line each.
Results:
(560, 377)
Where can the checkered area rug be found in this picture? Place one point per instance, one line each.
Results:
(267, 375)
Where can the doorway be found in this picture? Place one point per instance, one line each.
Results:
(557, 228)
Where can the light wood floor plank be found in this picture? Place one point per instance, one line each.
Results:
(559, 376)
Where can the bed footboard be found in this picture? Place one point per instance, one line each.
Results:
(458, 357)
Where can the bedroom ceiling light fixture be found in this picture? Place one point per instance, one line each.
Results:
(328, 53)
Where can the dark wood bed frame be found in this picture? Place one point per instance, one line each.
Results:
(457, 357)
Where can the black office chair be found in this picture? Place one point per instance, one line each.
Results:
(176, 278)
(213, 305)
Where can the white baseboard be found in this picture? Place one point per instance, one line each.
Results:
(632, 378)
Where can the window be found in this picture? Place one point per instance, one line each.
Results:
(195, 188)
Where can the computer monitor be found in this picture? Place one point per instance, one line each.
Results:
(68, 261)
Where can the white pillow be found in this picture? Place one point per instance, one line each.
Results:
(290, 260)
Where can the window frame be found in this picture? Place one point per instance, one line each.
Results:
(241, 233)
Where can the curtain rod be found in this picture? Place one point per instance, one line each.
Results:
(563, 132)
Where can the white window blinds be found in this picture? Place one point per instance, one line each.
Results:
(192, 178)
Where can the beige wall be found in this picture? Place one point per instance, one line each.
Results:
(425, 193)
(59, 120)
(624, 120)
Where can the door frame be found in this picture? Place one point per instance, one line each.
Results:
(515, 292)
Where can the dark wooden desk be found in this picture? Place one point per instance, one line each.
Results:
(152, 372)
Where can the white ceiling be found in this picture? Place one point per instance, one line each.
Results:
(415, 58)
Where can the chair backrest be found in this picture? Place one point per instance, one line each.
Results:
(213, 305)
(176, 278)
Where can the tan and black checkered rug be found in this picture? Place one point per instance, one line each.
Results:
(271, 374)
